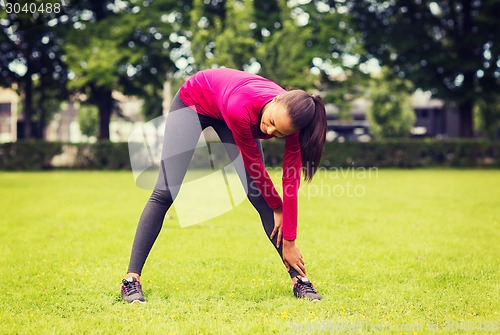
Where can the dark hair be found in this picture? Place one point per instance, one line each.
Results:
(309, 116)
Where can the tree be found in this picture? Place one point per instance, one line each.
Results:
(266, 18)
(234, 45)
(391, 113)
(88, 120)
(339, 54)
(92, 55)
(301, 45)
(313, 45)
(489, 115)
(120, 46)
(153, 51)
(31, 60)
(284, 56)
(222, 37)
(449, 47)
(201, 31)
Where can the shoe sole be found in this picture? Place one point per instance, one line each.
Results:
(309, 299)
(306, 298)
(135, 302)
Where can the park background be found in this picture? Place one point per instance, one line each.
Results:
(412, 89)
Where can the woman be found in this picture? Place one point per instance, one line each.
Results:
(242, 108)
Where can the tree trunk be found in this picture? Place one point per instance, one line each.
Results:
(40, 134)
(466, 119)
(105, 105)
(42, 115)
(466, 107)
(28, 107)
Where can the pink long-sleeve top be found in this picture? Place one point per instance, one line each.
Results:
(238, 98)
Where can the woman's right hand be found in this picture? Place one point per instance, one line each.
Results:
(278, 226)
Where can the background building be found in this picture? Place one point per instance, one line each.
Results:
(9, 101)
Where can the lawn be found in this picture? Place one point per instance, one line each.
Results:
(401, 251)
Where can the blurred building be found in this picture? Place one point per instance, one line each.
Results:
(64, 125)
(432, 119)
(357, 129)
(9, 101)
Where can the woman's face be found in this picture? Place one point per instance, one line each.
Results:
(275, 120)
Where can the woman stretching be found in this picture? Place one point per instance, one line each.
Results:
(242, 108)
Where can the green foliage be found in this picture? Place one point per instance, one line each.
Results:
(448, 47)
(489, 115)
(234, 44)
(270, 33)
(201, 34)
(93, 58)
(337, 53)
(31, 62)
(401, 153)
(391, 113)
(88, 119)
(152, 105)
(123, 49)
(132, 47)
(266, 15)
(222, 39)
(283, 55)
(397, 153)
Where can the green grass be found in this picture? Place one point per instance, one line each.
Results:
(415, 247)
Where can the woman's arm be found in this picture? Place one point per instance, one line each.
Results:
(252, 158)
(292, 167)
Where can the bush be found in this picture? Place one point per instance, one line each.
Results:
(32, 155)
(103, 156)
(402, 153)
(28, 155)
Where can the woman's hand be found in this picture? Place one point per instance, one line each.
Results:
(278, 226)
(293, 258)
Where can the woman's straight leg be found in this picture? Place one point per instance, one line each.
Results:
(182, 131)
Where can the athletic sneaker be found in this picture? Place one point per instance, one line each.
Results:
(303, 288)
(132, 291)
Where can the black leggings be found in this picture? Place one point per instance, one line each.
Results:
(183, 127)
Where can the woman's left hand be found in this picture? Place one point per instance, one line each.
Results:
(293, 258)
(278, 226)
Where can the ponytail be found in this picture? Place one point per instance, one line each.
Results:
(312, 139)
(308, 114)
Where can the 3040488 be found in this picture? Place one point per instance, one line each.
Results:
(38, 7)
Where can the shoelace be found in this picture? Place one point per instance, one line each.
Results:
(131, 287)
(309, 288)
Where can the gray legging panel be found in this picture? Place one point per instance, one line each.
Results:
(183, 127)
